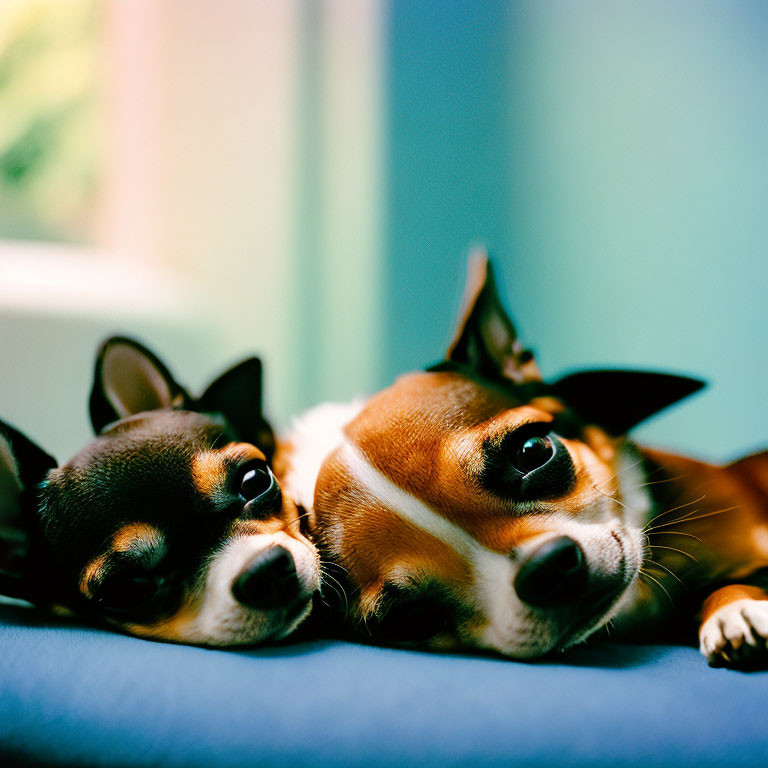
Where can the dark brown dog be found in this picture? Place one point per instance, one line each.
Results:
(170, 524)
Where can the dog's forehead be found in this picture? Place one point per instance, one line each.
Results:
(419, 407)
(140, 469)
(144, 446)
(185, 427)
(421, 444)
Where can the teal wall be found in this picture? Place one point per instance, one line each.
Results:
(614, 157)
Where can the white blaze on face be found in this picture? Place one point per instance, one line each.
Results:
(511, 627)
(493, 572)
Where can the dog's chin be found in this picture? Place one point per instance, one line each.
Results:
(605, 599)
(294, 616)
(555, 633)
(593, 619)
(598, 612)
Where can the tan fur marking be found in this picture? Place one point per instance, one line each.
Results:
(209, 468)
(258, 527)
(91, 573)
(129, 535)
(123, 540)
(603, 445)
(207, 471)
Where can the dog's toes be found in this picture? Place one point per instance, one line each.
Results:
(755, 613)
(736, 634)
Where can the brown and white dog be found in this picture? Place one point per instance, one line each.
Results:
(474, 506)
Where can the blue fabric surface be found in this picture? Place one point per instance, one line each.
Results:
(74, 695)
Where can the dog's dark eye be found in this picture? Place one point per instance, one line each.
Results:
(131, 592)
(414, 622)
(535, 452)
(529, 463)
(412, 618)
(255, 481)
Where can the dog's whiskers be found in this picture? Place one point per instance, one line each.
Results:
(336, 585)
(688, 518)
(618, 472)
(305, 514)
(611, 496)
(645, 573)
(674, 509)
(334, 564)
(664, 480)
(674, 549)
(657, 564)
(675, 533)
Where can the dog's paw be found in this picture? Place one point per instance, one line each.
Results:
(736, 635)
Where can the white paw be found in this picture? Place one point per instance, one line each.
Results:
(736, 634)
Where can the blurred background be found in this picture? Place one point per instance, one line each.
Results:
(303, 179)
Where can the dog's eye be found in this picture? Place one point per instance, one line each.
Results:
(255, 481)
(535, 452)
(529, 463)
(414, 622)
(129, 592)
(409, 618)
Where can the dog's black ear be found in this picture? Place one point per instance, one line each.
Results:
(485, 339)
(23, 467)
(237, 396)
(129, 379)
(618, 400)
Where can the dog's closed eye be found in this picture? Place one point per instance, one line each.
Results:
(130, 592)
(413, 615)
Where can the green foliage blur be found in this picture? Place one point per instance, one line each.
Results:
(50, 119)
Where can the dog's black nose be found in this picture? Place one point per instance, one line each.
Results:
(554, 573)
(268, 581)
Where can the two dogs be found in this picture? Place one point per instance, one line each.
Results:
(468, 506)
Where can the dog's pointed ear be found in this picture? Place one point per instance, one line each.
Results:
(618, 400)
(237, 396)
(23, 467)
(129, 379)
(486, 340)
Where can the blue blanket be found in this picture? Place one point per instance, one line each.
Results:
(71, 695)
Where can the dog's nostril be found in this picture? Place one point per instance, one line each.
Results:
(554, 572)
(268, 581)
(567, 559)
